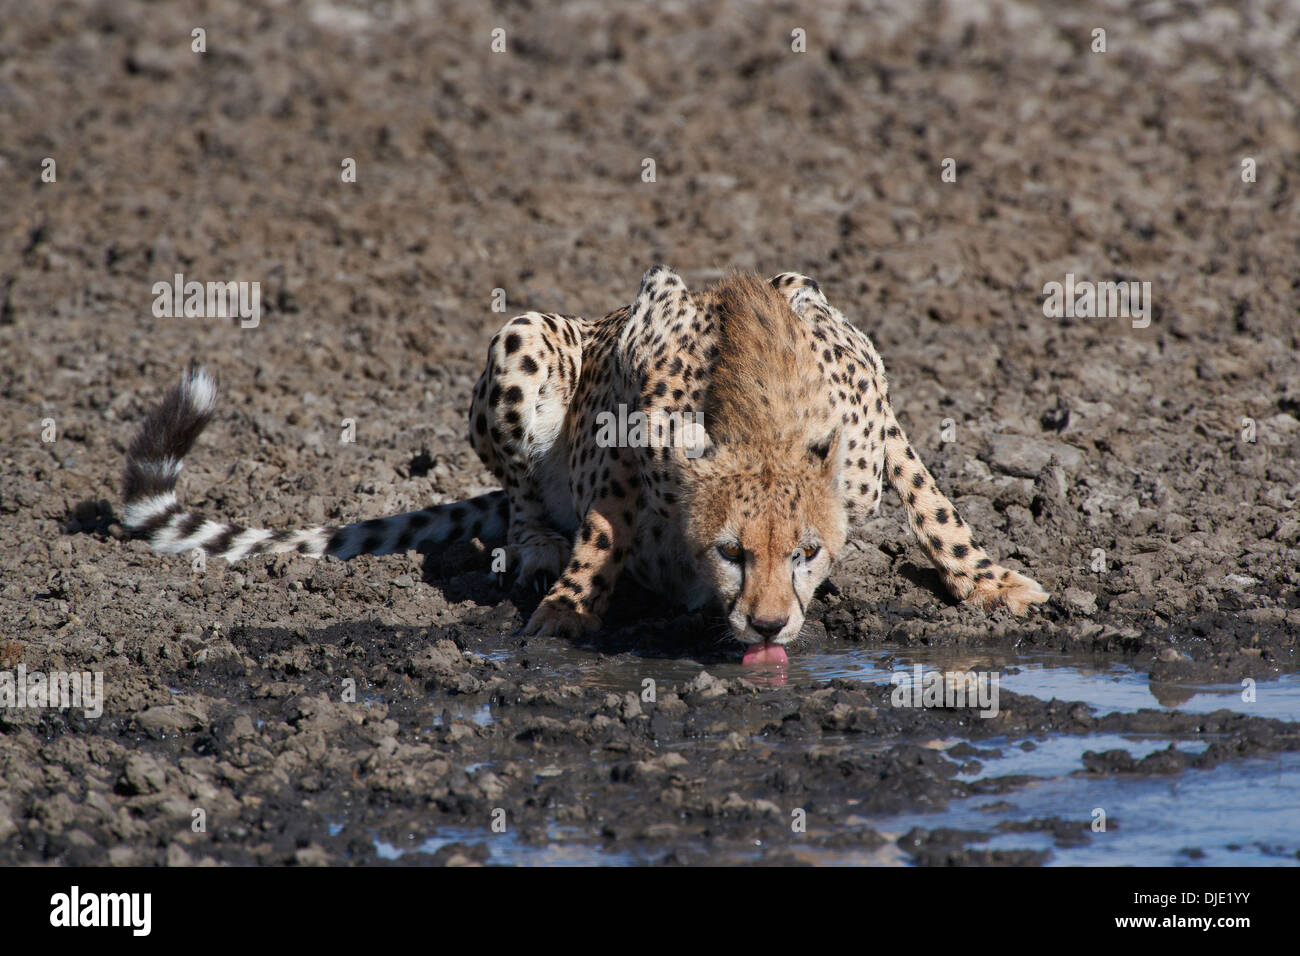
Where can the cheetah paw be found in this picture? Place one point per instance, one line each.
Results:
(1009, 588)
(555, 620)
(540, 559)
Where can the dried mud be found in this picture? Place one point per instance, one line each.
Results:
(1110, 462)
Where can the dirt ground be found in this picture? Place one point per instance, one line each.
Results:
(1146, 476)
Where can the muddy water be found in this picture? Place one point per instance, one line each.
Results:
(1245, 813)
(1100, 682)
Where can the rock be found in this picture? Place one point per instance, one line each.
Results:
(313, 855)
(706, 685)
(1080, 600)
(1025, 457)
(176, 856)
(439, 660)
(172, 718)
(144, 774)
(1238, 581)
(493, 787)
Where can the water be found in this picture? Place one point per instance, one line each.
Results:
(1239, 813)
(1102, 684)
(462, 710)
(506, 849)
(1062, 755)
(1245, 813)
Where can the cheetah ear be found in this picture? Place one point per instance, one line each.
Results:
(661, 289)
(825, 452)
(800, 291)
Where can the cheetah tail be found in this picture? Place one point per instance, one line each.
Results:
(151, 509)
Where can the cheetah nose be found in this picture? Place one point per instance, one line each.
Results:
(768, 627)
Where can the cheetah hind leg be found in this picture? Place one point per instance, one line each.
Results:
(967, 570)
(516, 427)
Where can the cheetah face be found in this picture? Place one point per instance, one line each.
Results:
(763, 541)
(764, 573)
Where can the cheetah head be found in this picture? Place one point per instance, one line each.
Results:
(764, 535)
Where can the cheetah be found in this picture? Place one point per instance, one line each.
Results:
(779, 438)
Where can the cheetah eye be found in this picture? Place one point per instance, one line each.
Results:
(731, 551)
(808, 552)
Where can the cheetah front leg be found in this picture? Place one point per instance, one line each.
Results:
(876, 449)
(967, 570)
(579, 599)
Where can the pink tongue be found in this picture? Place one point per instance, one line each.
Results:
(765, 653)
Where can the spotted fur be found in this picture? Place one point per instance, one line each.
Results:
(799, 437)
(780, 438)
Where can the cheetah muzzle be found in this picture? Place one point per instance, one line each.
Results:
(778, 436)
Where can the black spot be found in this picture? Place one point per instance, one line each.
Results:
(960, 550)
(512, 343)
